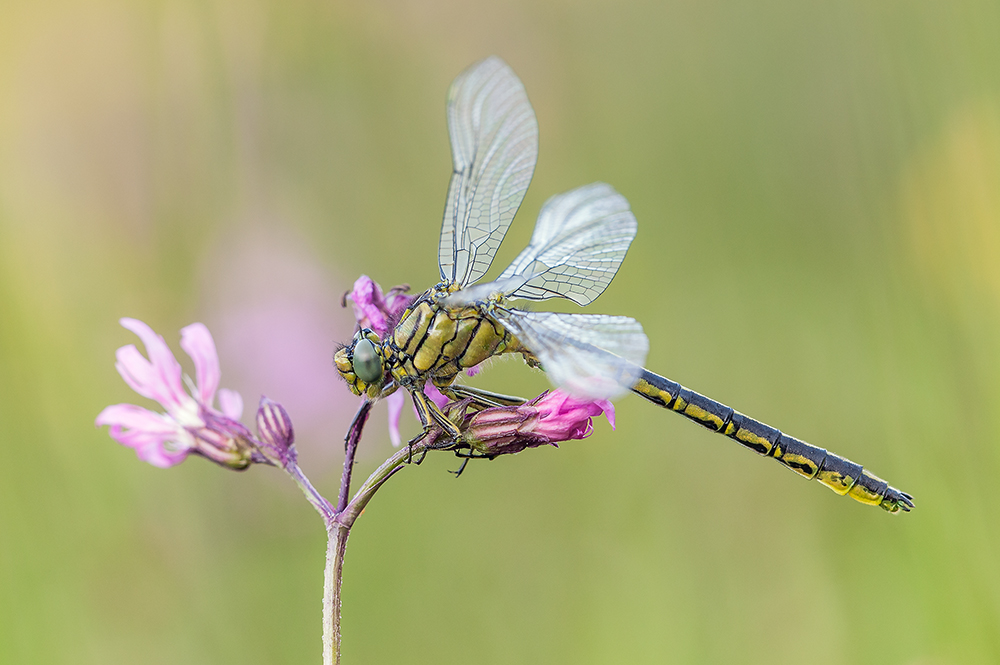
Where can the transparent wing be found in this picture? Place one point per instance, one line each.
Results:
(589, 355)
(494, 147)
(578, 245)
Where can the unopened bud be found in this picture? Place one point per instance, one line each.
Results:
(224, 441)
(549, 418)
(274, 428)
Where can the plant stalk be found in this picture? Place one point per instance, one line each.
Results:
(339, 520)
(338, 529)
(333, 575)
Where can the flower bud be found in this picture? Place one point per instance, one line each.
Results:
(551, 417)
(223, 441)
(277, 437)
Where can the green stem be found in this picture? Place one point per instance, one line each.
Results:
(338, 528)
(321, 505)
(335, 548)
(376, 480)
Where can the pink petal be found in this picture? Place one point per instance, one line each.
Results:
(472, 371)
(395, 403)
(563, 416)
(369, 304)
(147, 433)
(609, 410)
(139, 374)
(560, 403)
(135, 417)
(431, 391)
(550, 402)
(159, 377)
(197, 342)
(397, 301)
(154, 450)
(230, 403)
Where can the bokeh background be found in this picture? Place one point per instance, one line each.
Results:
(818, 191)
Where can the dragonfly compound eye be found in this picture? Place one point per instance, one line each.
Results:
(367, 364)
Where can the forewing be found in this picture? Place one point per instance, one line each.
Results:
(494, 147)
(578, 245)
(593, 356)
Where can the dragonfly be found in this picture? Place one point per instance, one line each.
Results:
(578, 244)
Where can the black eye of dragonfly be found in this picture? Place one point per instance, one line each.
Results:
(367, 364)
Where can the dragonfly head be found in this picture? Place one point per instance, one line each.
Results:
(362, 364)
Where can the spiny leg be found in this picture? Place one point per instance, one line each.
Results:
(465, 457)
(482, 397)
(465, 462)
(421, 407)
(428, 411)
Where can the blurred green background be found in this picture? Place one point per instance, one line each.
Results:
(818, 192)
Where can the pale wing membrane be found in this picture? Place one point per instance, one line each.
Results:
(494, 146)
(578, 245)
(592, 356)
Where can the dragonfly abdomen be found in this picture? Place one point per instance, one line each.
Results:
(839, 474)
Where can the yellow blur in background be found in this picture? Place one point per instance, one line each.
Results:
(818, 193)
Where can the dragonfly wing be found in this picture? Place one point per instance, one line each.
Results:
(578, 245)
(494, 147)
(593, 356)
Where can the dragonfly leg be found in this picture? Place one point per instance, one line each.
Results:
(431, 415)
(421, 408)
(465, 462)
(465, 457)
(483, 398)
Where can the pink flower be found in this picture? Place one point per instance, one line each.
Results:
(191, 424)
(374, 310)
(551, 417)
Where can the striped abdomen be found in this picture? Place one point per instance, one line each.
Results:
(841, 475)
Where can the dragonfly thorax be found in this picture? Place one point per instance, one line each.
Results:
(431, 342)
(434, 342)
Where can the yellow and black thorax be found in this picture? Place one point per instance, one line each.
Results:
(435, 342)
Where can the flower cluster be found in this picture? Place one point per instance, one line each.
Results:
(191, 424)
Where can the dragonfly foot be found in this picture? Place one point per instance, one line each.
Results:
(420, 460)
(458, 473)
(415, 440)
